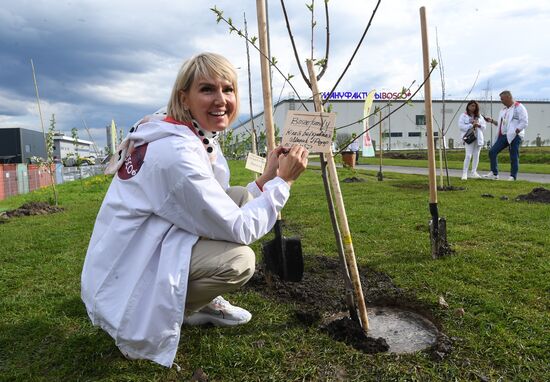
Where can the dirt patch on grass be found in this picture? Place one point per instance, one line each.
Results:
(537, 195)
(353, 179)
(28, 209)
(321, 294)
(451, 188)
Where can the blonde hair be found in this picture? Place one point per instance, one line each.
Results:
(203, 65)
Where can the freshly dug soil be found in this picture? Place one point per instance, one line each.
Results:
(353, 179)
(537, 195)
(321, 293)
(451, 188)
(31, 208)
(348, 331)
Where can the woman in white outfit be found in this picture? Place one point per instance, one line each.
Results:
(472, 118)
(171, 236)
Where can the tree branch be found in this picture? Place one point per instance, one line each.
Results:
(354, 52)
(325, 58)
(462, 103)
(298, 62)
(273, 61)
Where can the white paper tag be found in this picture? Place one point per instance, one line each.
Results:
(311, 130)
(255, 163)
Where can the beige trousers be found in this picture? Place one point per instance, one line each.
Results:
(219, 267)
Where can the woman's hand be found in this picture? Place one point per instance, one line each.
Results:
(271, 166)
(293, 163)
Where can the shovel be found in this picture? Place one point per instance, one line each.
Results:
(438, 226)
(281, 256)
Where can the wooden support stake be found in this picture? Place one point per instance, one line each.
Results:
(341, 212)
(266, 77)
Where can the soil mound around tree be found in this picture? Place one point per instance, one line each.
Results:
(537, 195)
(346, 330)
(31, 208)
(319, 300)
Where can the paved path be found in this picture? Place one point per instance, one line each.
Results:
(530, 177)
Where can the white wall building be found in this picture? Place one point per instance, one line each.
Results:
(405, 129)
(64, 146)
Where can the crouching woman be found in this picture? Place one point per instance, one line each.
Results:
(171, 236)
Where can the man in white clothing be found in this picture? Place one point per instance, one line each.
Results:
(512, 122)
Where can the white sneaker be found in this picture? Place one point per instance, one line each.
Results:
(491, 176)
(475, 175)
(511, 178)
(219, 312)
(464, 177)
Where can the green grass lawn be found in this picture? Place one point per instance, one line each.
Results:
(499, 275)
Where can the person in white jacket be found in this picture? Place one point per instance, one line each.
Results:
(472, 119)
(512, 121)
(171, 236)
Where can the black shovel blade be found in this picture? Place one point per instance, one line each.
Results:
(438, 238)
(283, 257)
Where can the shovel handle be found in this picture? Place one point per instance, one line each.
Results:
(428, 106)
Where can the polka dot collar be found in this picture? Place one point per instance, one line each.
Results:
(206, 137)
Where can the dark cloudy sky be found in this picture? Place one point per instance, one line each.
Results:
(101, 60)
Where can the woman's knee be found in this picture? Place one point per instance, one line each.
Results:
(242, 265)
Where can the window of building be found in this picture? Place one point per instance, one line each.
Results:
(420, 119)
(397, 134)
(415, 134)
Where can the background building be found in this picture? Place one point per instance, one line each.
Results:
(406, 128)
(65, 146)
(18, 145)
(111, 138)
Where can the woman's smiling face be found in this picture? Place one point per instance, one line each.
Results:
(211, 102)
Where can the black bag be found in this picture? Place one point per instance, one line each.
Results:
(470, 136)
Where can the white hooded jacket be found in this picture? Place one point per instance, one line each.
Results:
(165, 196)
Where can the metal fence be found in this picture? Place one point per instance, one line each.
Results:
(20, 178)
(73, 173)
